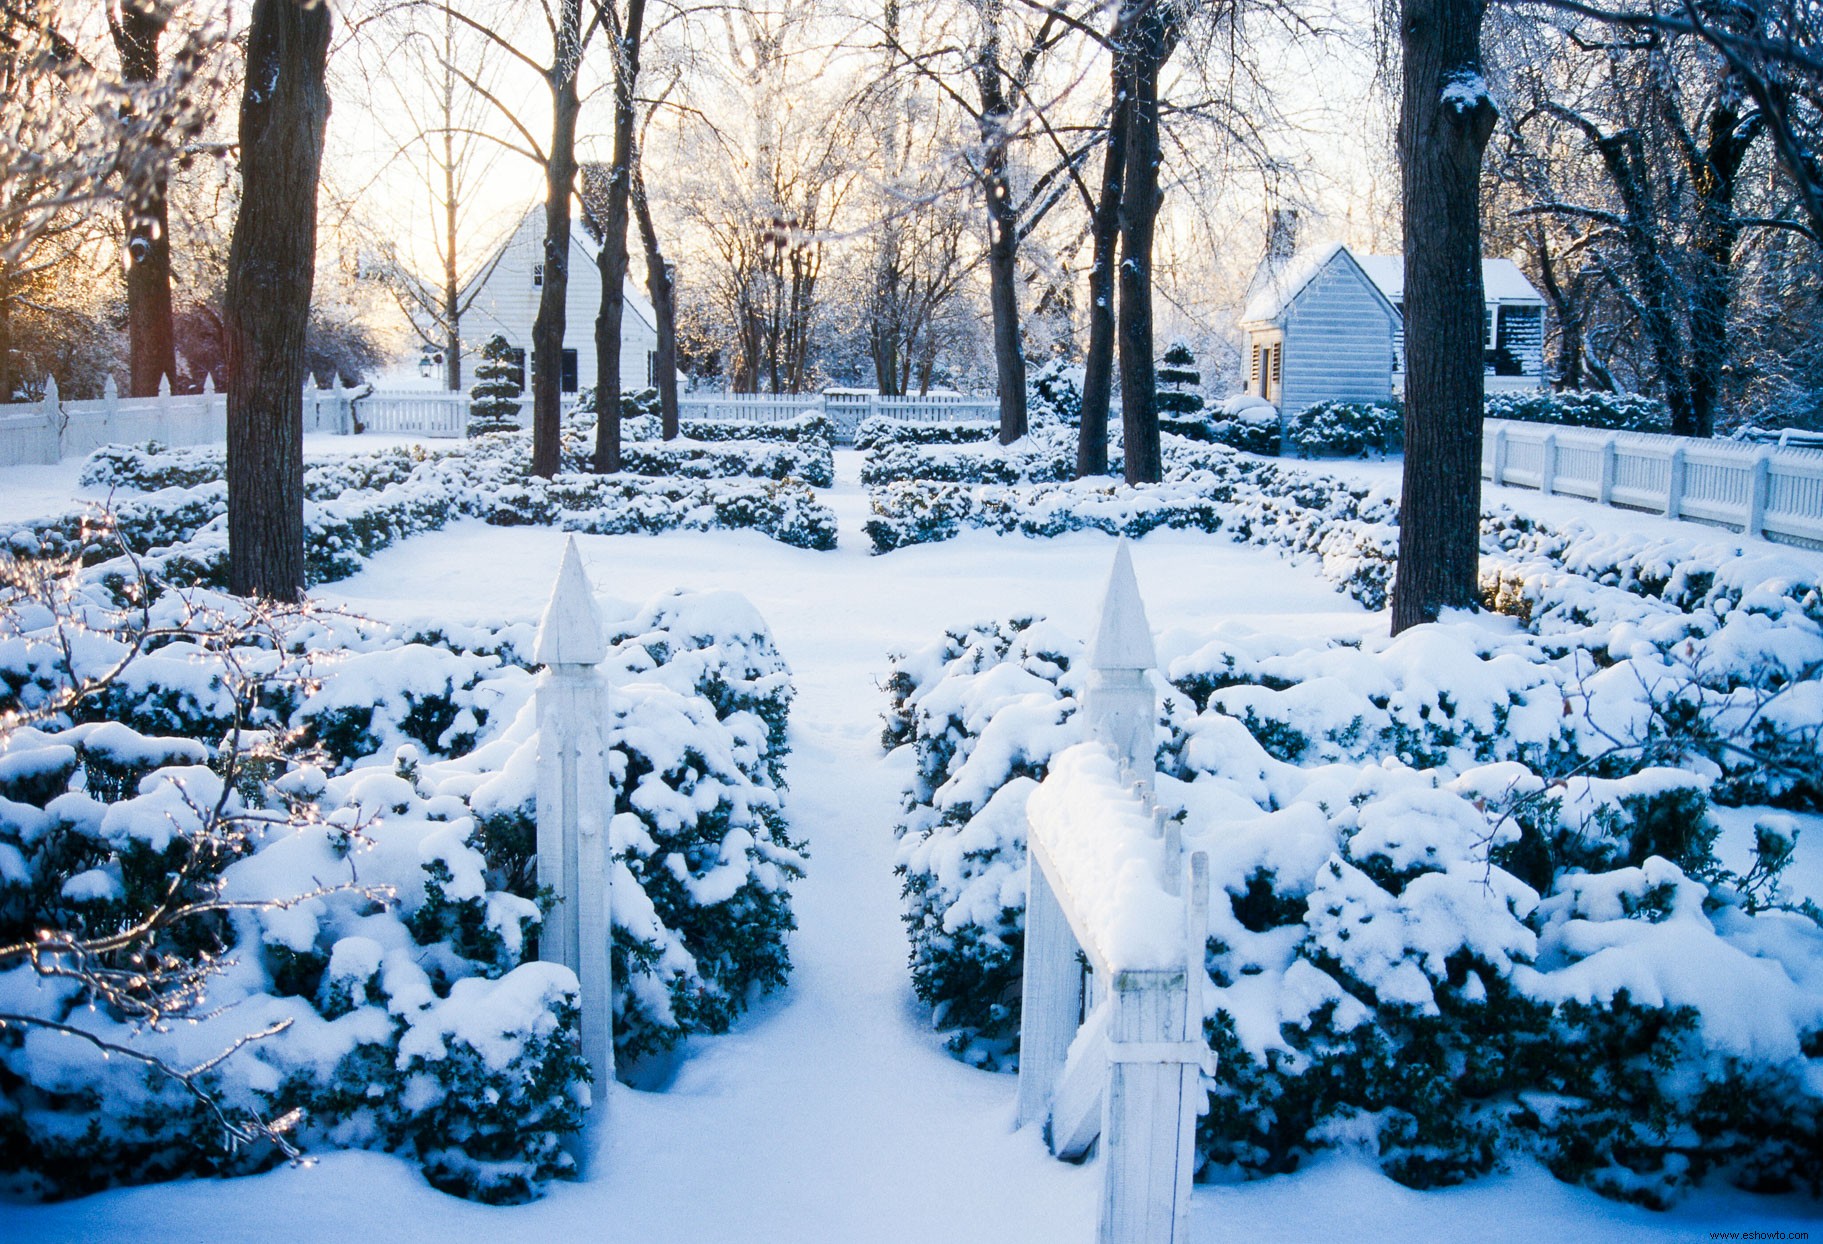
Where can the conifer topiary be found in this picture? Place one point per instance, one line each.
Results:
(1177, 380)
(497, 389)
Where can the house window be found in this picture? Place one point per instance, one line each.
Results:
(1278, 356)
(1253, 370)
(537, 275)
(1488, 320)
(1519, 341)
(651, 369)
(569, 371)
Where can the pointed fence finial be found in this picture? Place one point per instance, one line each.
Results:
(570, 631)
(1123, 641)
(208, 384)
(164, 385)
(1121, 707)
(110, 392)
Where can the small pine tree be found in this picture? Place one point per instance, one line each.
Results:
(497, 389)
(1177, 371)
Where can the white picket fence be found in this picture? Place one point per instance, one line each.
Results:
(1115, 1053)
(1760, 490)
(845, 410)
(52, 429)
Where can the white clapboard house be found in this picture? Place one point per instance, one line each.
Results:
(510, 284)
(1327, 325)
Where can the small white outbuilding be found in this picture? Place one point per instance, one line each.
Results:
(1328, 325)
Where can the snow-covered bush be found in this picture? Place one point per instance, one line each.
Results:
(1472, 906)
(1615, 412)
(1243, 421)
(1053, 393)
(383, 903)
(1346, 430)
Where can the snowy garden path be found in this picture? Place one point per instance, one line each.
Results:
(832, 1113)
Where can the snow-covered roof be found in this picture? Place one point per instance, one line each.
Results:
(1501, 279)
(1277, 287)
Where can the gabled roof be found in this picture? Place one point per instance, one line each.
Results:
(581, 246)
(1277, 287)
(1501, 279)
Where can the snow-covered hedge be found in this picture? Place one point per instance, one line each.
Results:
(416, 1017)
(1473, 906)
(1347, 526)
(1040, 457)
(1617, 412)
(809, 429)
(807, 462)
(614, 504)
(358, 505)
(879, 432)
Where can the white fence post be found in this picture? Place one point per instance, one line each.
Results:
(576, 803)
(1500, 456)
(1759, 490)
(1121, 706)
(1674, 486)
(1547, 464)
(1610, 460)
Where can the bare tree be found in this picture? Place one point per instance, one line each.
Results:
(436, 127)
(75, 134)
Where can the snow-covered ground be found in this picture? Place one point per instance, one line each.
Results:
(832, 1113)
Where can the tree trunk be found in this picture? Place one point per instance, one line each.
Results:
(1098, 367)
(612, 260)
(8, 374)
(1444, 126)
(1148, 43)
(151, 342)
(1003, 232)
(271, 267)
(1713, 172)
(559, 185)
(661, 288)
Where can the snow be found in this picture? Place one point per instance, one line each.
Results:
(832, 1112)
(1501, 279)
(1108, 863)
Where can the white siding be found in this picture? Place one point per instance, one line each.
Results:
(1338, 341)
(508, 304)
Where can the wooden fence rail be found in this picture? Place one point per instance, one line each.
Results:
(1760, 490)
(1116, 1053)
